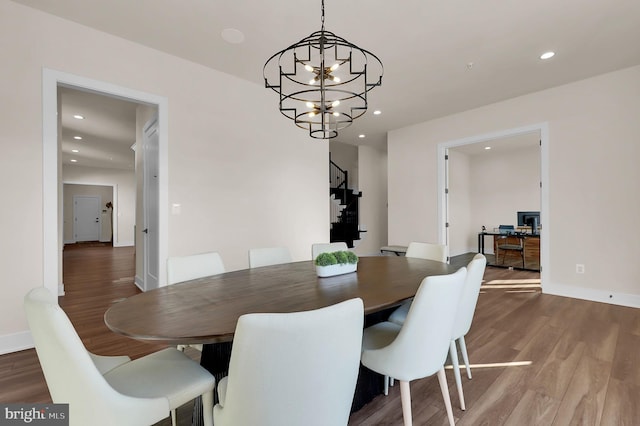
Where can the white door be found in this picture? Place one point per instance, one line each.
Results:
(86, 218)
(151, 205)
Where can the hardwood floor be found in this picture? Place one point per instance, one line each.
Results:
(542, 360)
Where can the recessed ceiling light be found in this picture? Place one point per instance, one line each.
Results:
(233, 36)
(74, 150)
(547, 55)
(78, 117)
(377, 112)
(361, 136)
(78, 138)
(487, 147)
(74, 161)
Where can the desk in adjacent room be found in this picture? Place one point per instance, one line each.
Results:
(531, 250)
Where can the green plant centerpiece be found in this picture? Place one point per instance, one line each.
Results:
(336, 263)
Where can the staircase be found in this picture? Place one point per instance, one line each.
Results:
(344, 207)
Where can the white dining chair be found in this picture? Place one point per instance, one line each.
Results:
(464, 318)
(291, 369)
(191, 267)
(429, 251)
(419, 347)
(318, 248)
(268, 256)
(418, 250)
(107, 391)
(466, 309)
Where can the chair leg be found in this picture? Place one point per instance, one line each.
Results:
(442, 378)
(174, 421)
(386, 385)
(465, 356)
(207, 408)
(405, 397)
(453, 353)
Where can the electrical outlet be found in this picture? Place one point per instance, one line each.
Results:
(579, 268)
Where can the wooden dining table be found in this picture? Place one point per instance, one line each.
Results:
(206, 310)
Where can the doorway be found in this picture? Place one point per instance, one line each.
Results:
(52, 185)
(478, 142)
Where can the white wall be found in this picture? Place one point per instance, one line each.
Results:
(372, 172)
(593, 179)
(239, 185)
(124, 182)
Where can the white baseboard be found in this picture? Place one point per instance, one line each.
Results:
(16, 342)
(613, 298)
(123, 244)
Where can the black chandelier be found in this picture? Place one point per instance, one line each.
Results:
(323, 81)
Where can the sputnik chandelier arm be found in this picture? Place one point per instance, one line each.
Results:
(322, 82)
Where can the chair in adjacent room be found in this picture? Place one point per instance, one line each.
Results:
(268, 256)
(418, 348)
(191, 267)
(290, 369)
(318, 248)
(110, 390)
(509, 244)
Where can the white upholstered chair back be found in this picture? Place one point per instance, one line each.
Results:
(73, 378)
(268, 256)
(421, 347)
(429, 251)
(293, 369)
(469, 299)
(185, 268)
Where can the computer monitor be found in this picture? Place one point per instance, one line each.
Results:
(531, 219)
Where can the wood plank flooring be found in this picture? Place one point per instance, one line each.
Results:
(542, 360)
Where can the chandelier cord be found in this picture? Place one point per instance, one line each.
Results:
(322, 15)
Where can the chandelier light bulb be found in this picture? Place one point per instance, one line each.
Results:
(310, 105)
(335, 103)
(308, 68)
(312, 81)
(312, 114)
(336, 114)
(334, 67)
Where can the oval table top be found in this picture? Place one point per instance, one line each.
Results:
(206, 310)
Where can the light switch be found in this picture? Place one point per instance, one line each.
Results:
(176, 208)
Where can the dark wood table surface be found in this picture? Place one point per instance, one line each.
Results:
(206, 310)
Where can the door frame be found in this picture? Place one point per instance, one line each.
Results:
(543, 129)
(51, 167)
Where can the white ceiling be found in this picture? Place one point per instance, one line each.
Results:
(425, 45)
(108, 130)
